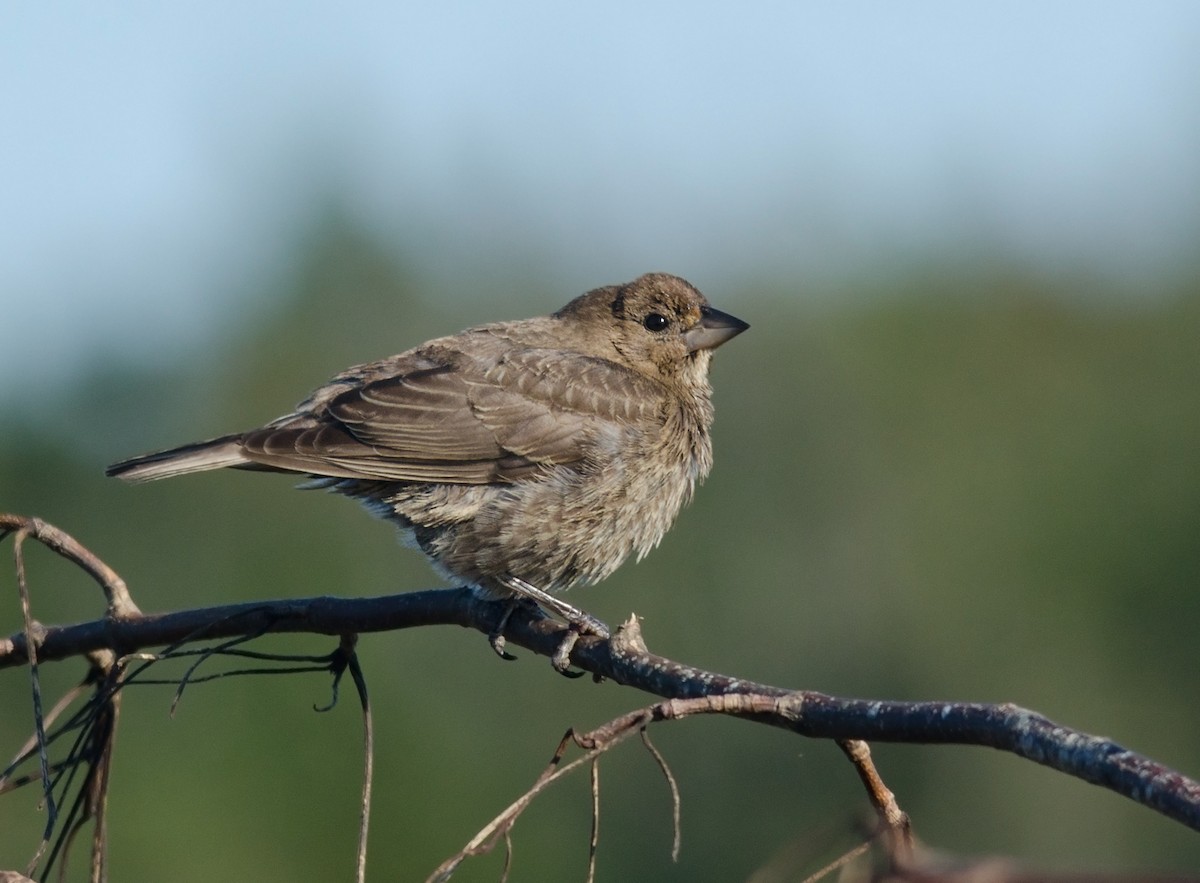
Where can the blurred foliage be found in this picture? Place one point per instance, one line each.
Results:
(965, 483)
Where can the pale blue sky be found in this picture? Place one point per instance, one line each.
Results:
(157, 158)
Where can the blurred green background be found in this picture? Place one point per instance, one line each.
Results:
(956, 454)
(974, 485)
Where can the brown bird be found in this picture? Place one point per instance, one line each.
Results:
(520, 457)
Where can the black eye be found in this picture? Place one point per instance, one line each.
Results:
(655, 322)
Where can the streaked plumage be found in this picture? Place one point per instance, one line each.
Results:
(548, 449)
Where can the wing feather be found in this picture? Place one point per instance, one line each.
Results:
(459, 420)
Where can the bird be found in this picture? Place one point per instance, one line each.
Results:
(521, 457)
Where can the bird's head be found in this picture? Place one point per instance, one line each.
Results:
(658, 325)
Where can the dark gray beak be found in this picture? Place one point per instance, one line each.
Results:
(714, 329)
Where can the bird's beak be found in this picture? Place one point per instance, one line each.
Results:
(714, 329)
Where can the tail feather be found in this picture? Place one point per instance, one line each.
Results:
(216, 453)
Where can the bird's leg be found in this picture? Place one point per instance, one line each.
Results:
(584, 623)
(581, 623)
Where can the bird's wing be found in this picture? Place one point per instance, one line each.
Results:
(461, 422)
(550, 409)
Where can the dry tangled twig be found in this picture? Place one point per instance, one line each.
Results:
(603, 738)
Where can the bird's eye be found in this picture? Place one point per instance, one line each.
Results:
(655, 322)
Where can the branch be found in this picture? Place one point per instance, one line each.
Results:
(894, 823)
(625, 660)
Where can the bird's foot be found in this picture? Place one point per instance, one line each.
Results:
(496, 636)
(561, 660)
(580, 623)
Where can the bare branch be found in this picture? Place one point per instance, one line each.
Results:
(625, 659)
(120, 603)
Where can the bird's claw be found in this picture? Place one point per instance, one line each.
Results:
(561, 660)
(497, 640)
(496, 636)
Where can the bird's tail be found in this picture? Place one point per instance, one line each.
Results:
(216, 453)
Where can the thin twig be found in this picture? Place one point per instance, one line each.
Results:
(35, 686)
(360, 683)
(893, 820)
(102, 776)
(838, 863)
(31, 744)
(676, 803)
(508, 855)
(87, 754)
(595, 743)
(594, 840)
(205, 655)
